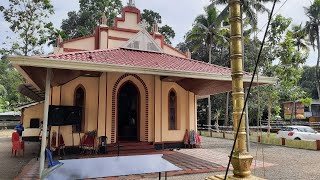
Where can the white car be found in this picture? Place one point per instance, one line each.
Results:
(305, 133)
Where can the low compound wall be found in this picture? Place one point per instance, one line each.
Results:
(265, 139)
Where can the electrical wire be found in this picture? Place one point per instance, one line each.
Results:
(249, 89)
(260, 30)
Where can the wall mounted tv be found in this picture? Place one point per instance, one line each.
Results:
(64, 115)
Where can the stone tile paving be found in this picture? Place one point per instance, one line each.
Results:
(217, 157)
(289, 163)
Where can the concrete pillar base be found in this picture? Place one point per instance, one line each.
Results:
(232, 177)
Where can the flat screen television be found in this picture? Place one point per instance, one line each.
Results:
(64, 115)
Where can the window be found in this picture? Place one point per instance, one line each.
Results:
(79, 100)
(172, 110)
(34, 123)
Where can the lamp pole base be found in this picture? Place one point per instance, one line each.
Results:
(232, 177)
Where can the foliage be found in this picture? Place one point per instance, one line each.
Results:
(167, 32)
(83, 22)
(10, 79)
(308, 81)
(207, 30)
(153, 17)
(312, 29)
(28, 19)
(54, 34)
(248, 8)
(306, 101)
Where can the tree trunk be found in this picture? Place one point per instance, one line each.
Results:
(210, 49)
(292, 111)
(317, 67)
(226, 118)
(269, 114)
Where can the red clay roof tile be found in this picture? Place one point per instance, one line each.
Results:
(135, 58)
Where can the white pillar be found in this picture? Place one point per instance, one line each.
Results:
(209, 114)
(45, 122)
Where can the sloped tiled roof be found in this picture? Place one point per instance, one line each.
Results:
(142, 59)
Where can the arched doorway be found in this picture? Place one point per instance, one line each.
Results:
(128, 112)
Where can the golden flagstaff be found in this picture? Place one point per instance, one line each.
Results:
(241, 160)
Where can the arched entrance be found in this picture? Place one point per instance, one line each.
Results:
(128, 112)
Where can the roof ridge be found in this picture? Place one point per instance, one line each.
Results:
(79, 52)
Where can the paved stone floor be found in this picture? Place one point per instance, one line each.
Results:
(279, 162)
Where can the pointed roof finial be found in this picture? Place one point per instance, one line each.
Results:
(188, 53)
(104, 20)
(155, 27)
(59, 40)
(131, 3)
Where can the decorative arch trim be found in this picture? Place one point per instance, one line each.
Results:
(114, 97)
(83, 120)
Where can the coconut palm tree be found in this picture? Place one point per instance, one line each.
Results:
(248, 8)
(207, 29)
(299, 36)
(312, 29)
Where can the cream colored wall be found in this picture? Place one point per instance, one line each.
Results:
(121, 34)
(85, 44)
(115, 43)
(170, 51)
(103, 40)
(102, 121)
(148, 80)
(184, 112)
(130, 21)
(35, 111)
(91, 105)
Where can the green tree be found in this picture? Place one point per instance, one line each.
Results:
(153, 17)
(308, 81)
(28, 19)
(83, 22)
(289, 70)
(312, 29)
(167, 32)
(299, 36)
(54, 34)
(207, 30)
(10, 79)
(248, 7)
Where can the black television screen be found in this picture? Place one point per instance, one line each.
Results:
(64, 115)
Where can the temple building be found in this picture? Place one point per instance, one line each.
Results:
(131, 85)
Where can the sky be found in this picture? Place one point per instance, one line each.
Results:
(179, 14)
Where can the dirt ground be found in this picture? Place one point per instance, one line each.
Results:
(6, 133)
(10, 167)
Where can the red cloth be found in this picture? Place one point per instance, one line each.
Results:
(186, 137)
(198, 140)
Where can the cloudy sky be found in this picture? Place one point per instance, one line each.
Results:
(179, 14)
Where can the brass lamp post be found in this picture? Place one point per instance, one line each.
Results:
(241, 160)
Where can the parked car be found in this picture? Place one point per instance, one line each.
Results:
(305, 133)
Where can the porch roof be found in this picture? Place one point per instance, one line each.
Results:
(195, 76)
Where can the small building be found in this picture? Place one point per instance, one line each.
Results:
(131, 85)
(301, 111)
(9, 119)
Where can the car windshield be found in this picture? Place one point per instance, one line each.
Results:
(308, 129)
